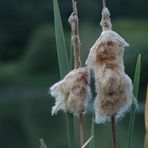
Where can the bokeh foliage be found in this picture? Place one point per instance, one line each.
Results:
(29, 65)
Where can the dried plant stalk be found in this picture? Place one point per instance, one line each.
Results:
(87, 142)
(73, 20)
(113, 131)
(73, 92)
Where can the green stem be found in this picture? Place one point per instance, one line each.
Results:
(70, 127)
(113, 131)
(133, 108)
(63, 64)
(81, 123)
(92, 143)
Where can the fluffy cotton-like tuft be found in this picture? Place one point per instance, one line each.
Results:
(72, 93)
(113, 87)
(108, 48)
(106, 22)
(114, 96)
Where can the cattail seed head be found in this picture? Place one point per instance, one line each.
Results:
(72, 93)
(114, 96)
(113, 86)
(108, 50)
(106, 22)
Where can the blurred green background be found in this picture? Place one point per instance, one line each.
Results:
(29, 66)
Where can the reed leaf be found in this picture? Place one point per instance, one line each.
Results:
(63, 64)
(60, 41)
(92, 143)
(133, 108)
(146, 121)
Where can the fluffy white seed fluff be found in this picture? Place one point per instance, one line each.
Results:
(113, 87)
(72, 93)
(114, 98)
(107, 39)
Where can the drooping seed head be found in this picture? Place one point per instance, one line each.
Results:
(73, 92)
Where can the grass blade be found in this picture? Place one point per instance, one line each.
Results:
(146, 121)
(70, 127)
(63, 64)
(60, 41)
(133, 108)
(92, 143)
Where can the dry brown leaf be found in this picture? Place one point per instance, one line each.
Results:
(87, 142)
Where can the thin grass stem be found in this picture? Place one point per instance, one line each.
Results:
(146, 121)
(133, 107)
(63, 64)
(113, 131)
(81, 123)
(73, 20)
(104, 3)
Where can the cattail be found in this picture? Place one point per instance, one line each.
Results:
(114, 88)
(109, 48)
(72, 93)
(114, 96)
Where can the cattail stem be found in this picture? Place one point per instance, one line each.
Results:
(74, 21)
(103, 3)
(113, 131)
(81, 129)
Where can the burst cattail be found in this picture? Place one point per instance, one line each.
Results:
(114, 96)
(114, 88)
(72, 93)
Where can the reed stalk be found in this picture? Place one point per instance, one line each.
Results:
(63, 64)
(113, 131)
(74, 22)
(133, 108)
(146, 121)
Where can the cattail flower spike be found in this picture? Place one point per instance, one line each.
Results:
(72, 93)
(113, 87)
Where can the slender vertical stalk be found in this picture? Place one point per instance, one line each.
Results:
(103, 24)
(70, 127)
(73, 20)
(63, 64)
(146, 121)
(103, 3)
(81, 129)
(133, 108)
(113, 131)
(92, 143)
